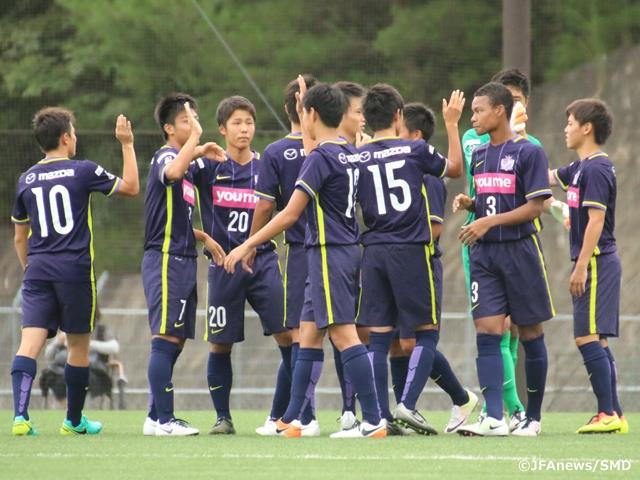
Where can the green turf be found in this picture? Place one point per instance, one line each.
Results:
(121, 452)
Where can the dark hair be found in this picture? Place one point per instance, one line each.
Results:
(227, 106)
(380, 104)
(170, 106)
(514, 78)
(328, 101)
(351, 90)
(595, 112)
(498, 95)
(417, 116)
(49, 124)
(290, 96)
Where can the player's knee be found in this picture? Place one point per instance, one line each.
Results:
(220, 347)
(407, 345)
(530, 332)
(344, 336)
(283, 339)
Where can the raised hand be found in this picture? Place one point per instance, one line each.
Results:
(213, 151)
(302, 86)
(452, 110)
(124, 132)
(196, 128)
(462, 202)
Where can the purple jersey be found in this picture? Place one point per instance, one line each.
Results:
(507, 176)
(168, 208)
(227, 199)
(391, 190)
(437, 195)
(590, 183)
(329, 176)
(54, 198)
(281, 163)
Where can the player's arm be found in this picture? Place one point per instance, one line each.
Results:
(308, 142)
(211, 245)
(471, 233)
(452, 111)
(261, 216)
(129, 183)
(592, 233)
(175, 170)
(20, 239)
(210, 151)
(463, 202)
(278, 224)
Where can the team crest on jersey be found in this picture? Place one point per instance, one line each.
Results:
(30, 178)
(507, 162)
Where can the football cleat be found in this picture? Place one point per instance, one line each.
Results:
(624, 425)
(311, 429)
(348, 420)
(397, 430)
(176, 428)
(485, 427)
(460, 413)
(414, 420)
(223, 426)
(602, 423)
(268, 429)
(289, 430)
(363, 430)
(149, 427)
(528, 428)
(21, 426)
(85, 427)
(516, 420)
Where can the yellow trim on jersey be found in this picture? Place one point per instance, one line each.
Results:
(115, 186)
(15, 220)
(436, 218)
(432, 288)
(518, 138)
(307, 187)
(586, 203)
(294, 137)
(325, 264)
(92, 274)
(544, 271)
(596, 251)
(51, 160)
(206, 313)
(600, 154)
(165, 261)
(284, 282)
(535, 192)
(335, 142)
(262, 194)
(564, 186)
(426, 202)
(537, 224)
(359, 303)
(593, 292)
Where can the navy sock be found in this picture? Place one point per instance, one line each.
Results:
(283, 384)
(23, 371)
(358, 368)
(305, 377)
(490, 372)
(420, 365)
(444, 377)
(614, 382)
(219, 379)
(379, 344)
(308, 414)
(161, 360)
(153, 412)
(346, 387)
(535, 365)
(77, 382)
(597, 363)
(399, 368)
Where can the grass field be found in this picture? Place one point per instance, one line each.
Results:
(121, 452)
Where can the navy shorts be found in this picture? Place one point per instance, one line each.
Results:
(331, 293)
(70, 307)
(295, 277)
(597, 311)
(510, 278)
(398, 288)
(170, 289)
(228, 294)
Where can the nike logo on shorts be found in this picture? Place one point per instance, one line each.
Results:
(178, 324)
(213, 332)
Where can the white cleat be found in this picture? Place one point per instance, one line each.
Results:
(485, 427)
(348, 420)
(460, 413)
(413, 419)
(176, 428)
(363, 430)
(528, 428)
(311, 429)
(149, 427)
(268, 429)
(516, 420)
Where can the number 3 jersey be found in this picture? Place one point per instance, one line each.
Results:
(391, 189)
(507, 176)
(227, 199)
(54, 198)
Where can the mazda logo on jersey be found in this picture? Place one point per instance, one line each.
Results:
(30, 178)
(290, 154)
(365, 157)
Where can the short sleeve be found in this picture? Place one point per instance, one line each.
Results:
(100, 180)
(437, 196)
(163, 160)
(313, 174)
(597, 180)
(431, 161)
(268, 184)
(563, 175)
(19, 214)
(535, 174)
(203, 172)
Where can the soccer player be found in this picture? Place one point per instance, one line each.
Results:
(281, 162)
(590, 183)
(506, 256)
(169, 261)
(419, 123)
(54, 243)
(227, 206)
(398, 287)
(326, 188)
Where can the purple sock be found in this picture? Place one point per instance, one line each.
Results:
(305, 377)
(444, 377)
(597, 363)
(23, 371)
(379, 344)
(77, 382)
(220, 379)
(282, 394)
(535, 365)
(161, 361)
(399, 368)
(358, 368)
(614, 382)
(420, 366)
(490, 372)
